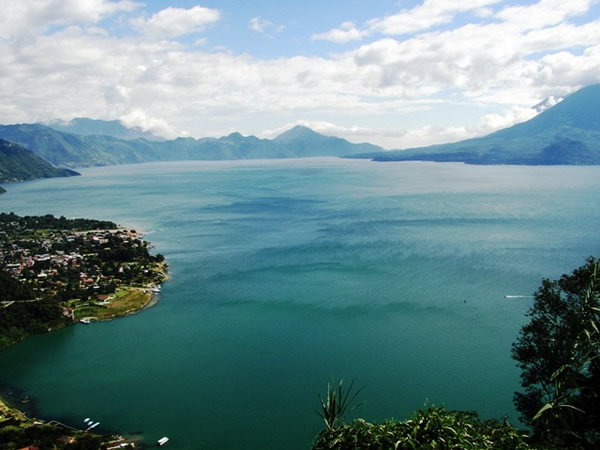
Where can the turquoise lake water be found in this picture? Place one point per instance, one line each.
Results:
(287, 273)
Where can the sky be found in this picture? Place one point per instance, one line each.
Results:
(394, 73)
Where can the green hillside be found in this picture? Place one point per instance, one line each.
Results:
(568, 133)
(18, 164)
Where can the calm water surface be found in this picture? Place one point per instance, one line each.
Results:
(286, 273)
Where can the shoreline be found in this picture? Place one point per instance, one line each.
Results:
(25, 418)
(150, 294)
(63, 434)
(129, 295)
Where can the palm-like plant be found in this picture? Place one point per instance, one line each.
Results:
(338, 403)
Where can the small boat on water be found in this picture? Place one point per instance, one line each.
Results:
(162, 441)
(94, 426)
(85, 320)
(86, 420)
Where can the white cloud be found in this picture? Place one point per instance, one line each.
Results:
(493, 122)
(544, 13)
(259, 24)
(547, 103)
(484, 12)
(427, 15)
(140, 119)
(345, 33)
(420, 18)
(264, 26)
(173, 22)
(475, 60)
(24, 17)
(431, 135)
(166, 87)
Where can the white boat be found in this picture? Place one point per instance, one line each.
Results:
(86, 420)
(94, 426)
(86, 321)
(162, 441)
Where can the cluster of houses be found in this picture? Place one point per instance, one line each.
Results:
(60, 259)
(24, 261)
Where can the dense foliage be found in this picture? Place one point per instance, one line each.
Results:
(12, 223)
(46, 437)
(558, 352)
(22, 319)
(427, 429)
(17, 431)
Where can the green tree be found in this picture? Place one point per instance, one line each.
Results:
(558, 353)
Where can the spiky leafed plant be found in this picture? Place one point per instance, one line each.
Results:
(338, 403)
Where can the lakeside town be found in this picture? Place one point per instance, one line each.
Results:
(55, 272)
(58, 271)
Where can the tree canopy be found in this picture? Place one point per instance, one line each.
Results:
(558, 353)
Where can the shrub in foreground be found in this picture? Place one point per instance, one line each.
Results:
(432, 428)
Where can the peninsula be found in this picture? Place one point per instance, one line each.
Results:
(56, 271)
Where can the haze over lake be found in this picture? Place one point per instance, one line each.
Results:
(287, 273)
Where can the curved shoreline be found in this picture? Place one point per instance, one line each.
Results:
(151, 295)
(71, 433)
(120, 265)
(63, 434)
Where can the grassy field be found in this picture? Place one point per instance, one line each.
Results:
(124, 301)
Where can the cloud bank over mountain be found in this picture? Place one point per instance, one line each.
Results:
(427, 73)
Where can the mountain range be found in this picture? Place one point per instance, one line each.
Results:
(566, 133)
(82, 150)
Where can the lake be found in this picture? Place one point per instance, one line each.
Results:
(287, 273)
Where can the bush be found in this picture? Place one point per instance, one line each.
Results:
(430, 428)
